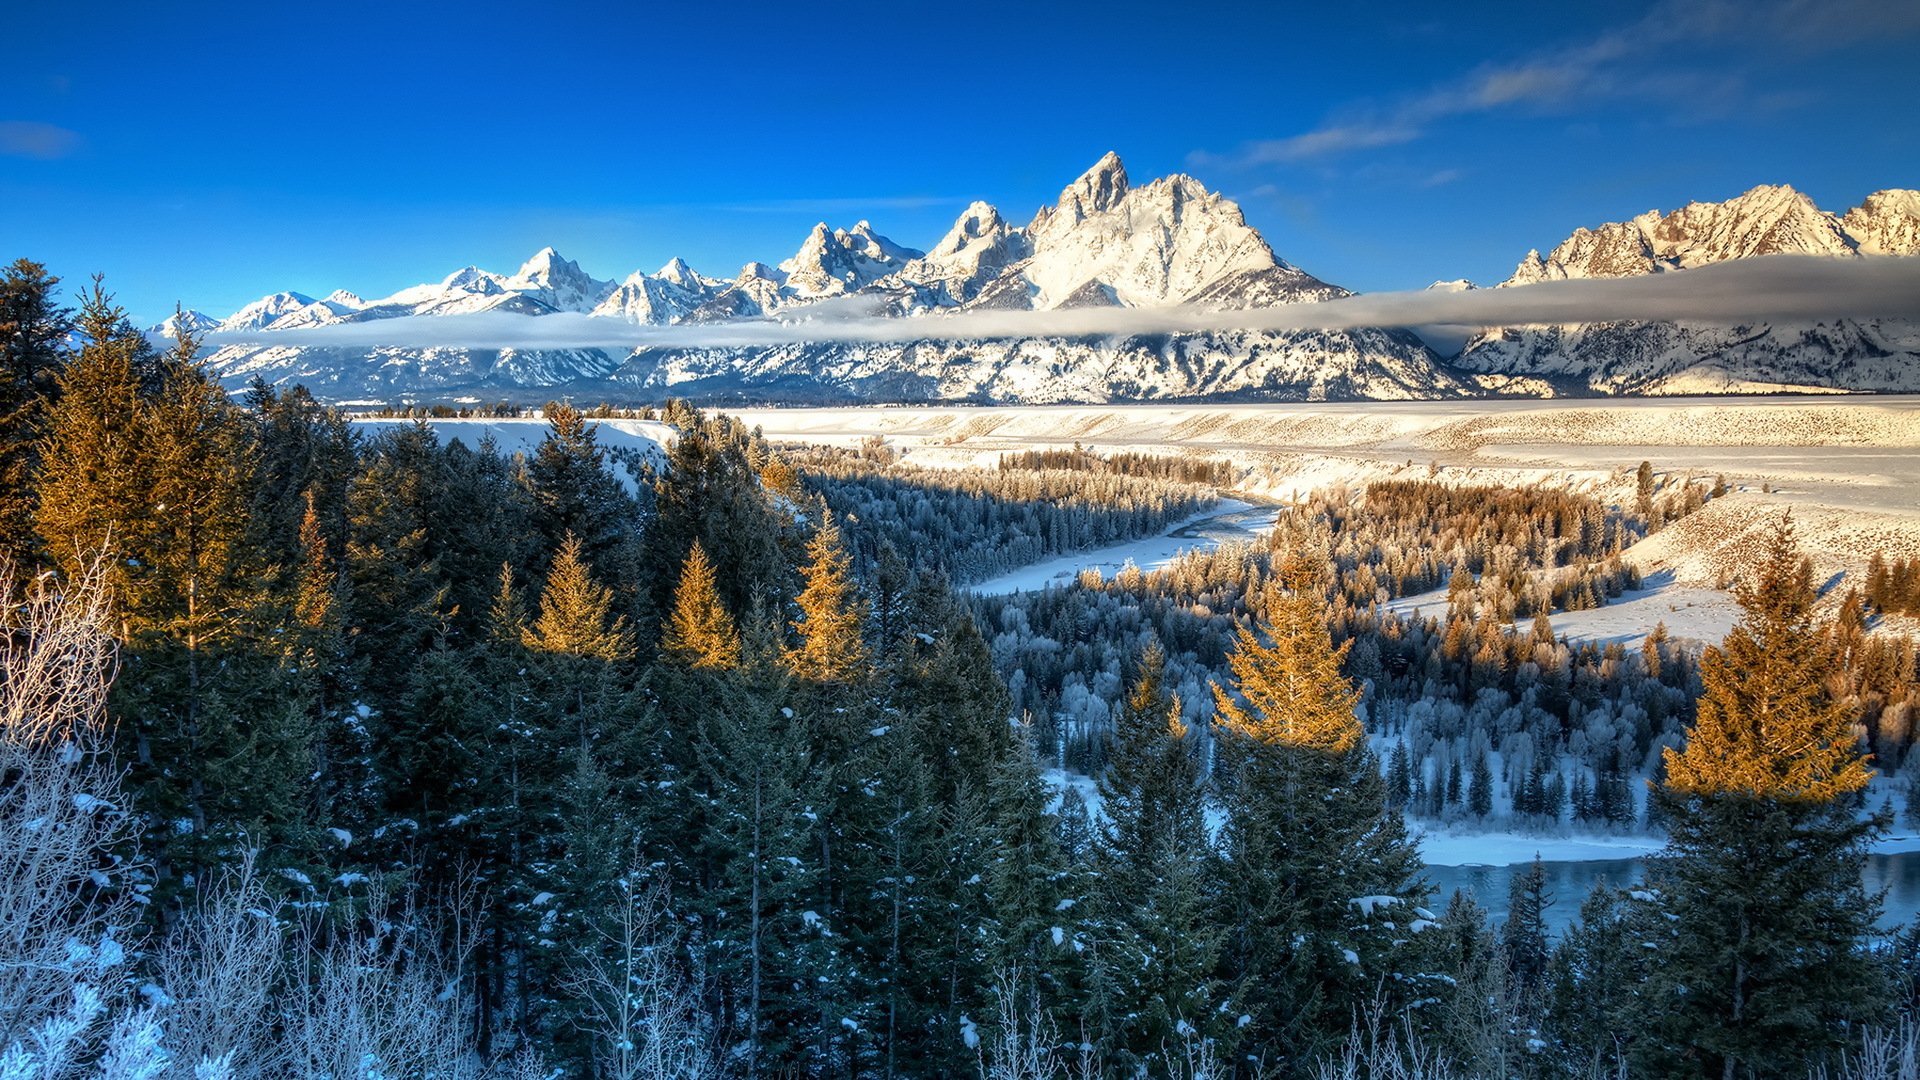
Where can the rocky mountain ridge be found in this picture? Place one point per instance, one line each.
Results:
(1105, 243)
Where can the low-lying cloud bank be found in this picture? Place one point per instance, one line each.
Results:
(1776, 288)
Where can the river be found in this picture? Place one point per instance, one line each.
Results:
(1568, 884)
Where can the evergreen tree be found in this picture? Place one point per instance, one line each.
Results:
(574, 492)
(33, 327)
(1399, 777)
(1480, 801)
(1598, 1015)
(1314, 865)
(95, 469)
(1524, 934)
(830, 649)
(1156, 947)
(576, 613)
(762, 944)
(1026, 877)
(699, 632)
(1767, 968)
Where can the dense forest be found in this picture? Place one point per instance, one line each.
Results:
(1483, 715)
(328, 755)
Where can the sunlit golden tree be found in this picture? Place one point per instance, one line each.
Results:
(830, 648)
(1765, 969)
(699, 632)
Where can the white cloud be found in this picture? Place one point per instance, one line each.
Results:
(1653, 58)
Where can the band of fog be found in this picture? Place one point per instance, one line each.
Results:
(1780, 287)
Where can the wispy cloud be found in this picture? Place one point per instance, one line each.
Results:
(32, 139)
(1781, 287)
(1647, 59)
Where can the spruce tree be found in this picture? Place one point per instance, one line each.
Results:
(1767, 968)
(699, 632)
(1315, 867)
(1480, 799)
(33, 327)
(830, 648)
(761, 943)
(574, 492)
(1156, 946)
(1524, 934)
(576, 613)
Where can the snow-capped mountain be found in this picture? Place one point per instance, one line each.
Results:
(661, 298)
(1667, 358)
(558, 283)
(1102, 243)
(1106, 242)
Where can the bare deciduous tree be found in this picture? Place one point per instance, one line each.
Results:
(640, 1007)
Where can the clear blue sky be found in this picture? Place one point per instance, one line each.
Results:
(210, 153)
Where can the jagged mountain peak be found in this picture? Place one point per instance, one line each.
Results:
(193, 322)
(678, 272)
(837, 261)
(1768, 219)
(1886, 223)
(978, 221)
(1163, 243)
(1097, 189)
(472, 279)
(546, 264)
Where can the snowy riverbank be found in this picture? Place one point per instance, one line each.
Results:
(1227, 521)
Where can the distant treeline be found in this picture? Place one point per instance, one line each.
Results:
(1190, 470)
(973, 524)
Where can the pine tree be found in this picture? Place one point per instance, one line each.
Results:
(1399, 777)
(1314, 865)
(1598, 1017)
(1524, 935)
(763, 944)
(574, 492)
(699, 632)
(95, 471)
(1767, 727)
(1026, 876)
(1768, 966)
(830, 648)
(32, 329)
(1480, 801)
(576, 613)
(1156, 947)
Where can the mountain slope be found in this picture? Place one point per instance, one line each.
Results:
(1105, 242)
(1670, 358)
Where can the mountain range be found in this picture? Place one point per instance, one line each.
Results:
(1105, 243)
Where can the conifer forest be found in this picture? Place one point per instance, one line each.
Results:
(330, 750)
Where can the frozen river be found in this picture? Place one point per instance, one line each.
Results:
(1568, 884)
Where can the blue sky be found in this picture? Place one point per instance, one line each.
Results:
(208, 153)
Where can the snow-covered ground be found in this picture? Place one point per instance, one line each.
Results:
(523, 435)
(1691, 612)
(1444, 847)
(1229, 520)
(1848, 466)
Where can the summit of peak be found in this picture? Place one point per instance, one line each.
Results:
(677, 270)
(1097, 189)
